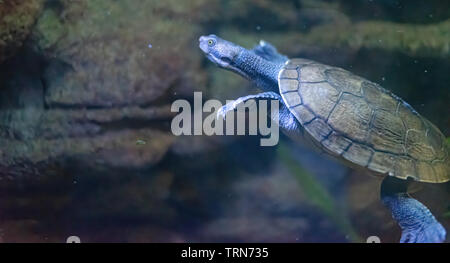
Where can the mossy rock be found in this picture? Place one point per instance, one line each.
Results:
(117, 54)
(16, 20)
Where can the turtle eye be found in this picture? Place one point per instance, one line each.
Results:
(211, 42)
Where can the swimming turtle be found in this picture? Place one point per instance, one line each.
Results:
(351, 119)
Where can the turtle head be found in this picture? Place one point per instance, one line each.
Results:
(221, 52)
(247, 63)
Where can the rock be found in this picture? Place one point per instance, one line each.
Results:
(324, 40)
(258, 16)
(20, 81)
(106, 136)
(136, 197)
(16, 19)
(110, 54)
(260, 228)
(110, 71)
(271, 207)
(115, 149)
(192, 145)
(32, 123)
(33, 136)
(413, 40)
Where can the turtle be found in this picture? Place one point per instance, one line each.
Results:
(348, 118)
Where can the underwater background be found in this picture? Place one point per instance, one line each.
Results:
(86, 148)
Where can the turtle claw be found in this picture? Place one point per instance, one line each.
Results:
(430, 233)
(223, 111)
(269, 52)
(231, 106)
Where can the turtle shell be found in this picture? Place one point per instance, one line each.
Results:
(361, 123)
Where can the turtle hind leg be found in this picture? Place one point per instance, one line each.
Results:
(269, 52)
(414, 218)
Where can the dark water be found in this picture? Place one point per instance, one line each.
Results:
(86, 147)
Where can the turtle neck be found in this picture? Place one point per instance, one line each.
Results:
(262, 72)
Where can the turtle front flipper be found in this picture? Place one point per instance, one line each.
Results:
(269, 52)
(416, 221)
(234, 104)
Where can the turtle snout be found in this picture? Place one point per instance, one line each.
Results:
(202, 39)
(204, 43)
(209, 37)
